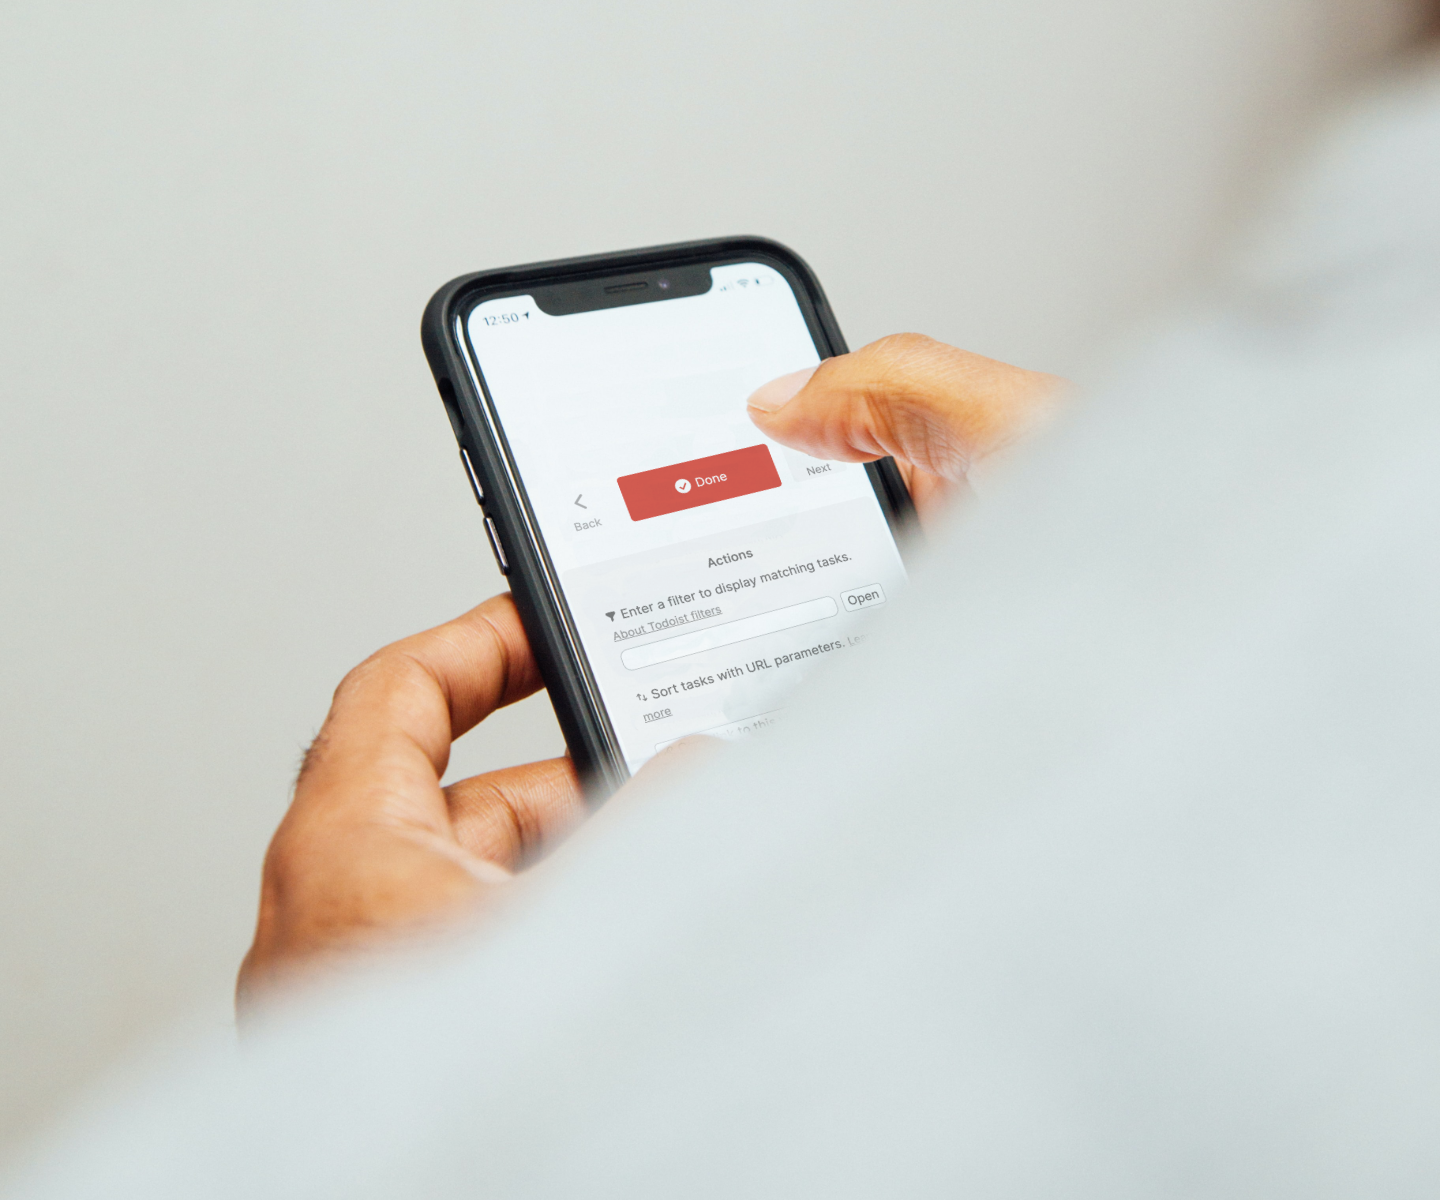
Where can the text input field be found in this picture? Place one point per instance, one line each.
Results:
(729, 633)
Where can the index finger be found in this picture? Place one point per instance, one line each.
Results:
(394, 716)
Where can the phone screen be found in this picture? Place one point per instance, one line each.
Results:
(706, 568)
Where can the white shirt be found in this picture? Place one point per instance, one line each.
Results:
(1110, 868)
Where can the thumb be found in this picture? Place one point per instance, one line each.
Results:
(906, 396)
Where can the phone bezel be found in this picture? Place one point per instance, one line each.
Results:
(554, 636)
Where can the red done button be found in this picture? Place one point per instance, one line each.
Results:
(699, 481)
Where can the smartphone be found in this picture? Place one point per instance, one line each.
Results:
(676, 571)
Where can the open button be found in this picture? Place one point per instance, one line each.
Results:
(699, 481)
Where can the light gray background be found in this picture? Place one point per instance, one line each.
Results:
(224, 475)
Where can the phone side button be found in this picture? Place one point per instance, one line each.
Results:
(495, 546)
(472, 477)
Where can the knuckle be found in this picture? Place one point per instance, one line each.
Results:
(895, 366)
(904, 343)
(287, 858)
(384, 669)
(357, 677)
(914, 371)
(898, 351)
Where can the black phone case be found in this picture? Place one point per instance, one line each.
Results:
(512, 528)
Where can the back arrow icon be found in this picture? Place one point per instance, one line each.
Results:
(577, 502)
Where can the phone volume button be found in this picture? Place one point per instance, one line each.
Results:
(472, 477)
(496, 547)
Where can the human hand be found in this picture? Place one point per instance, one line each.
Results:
(373, 848)
(936, 409)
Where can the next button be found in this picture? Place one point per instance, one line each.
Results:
(865, 597)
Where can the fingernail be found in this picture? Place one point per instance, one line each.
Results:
(778, 393)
